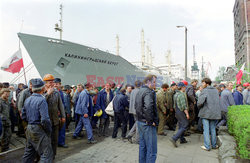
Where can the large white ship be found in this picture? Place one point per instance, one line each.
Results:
(75, 63)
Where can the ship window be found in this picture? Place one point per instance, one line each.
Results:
(62, 65)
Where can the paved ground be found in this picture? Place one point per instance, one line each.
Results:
(116, 150)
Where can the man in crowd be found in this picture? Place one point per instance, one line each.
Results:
(95, 119)
(246, 94)
(67, 102)
(238, 97)
(13, 109)
(35, 112)
(181, 113)
(132, 110)
(80, 88)
(74, 88)
(83, 108)
(5, 117)
(209, 105)
(161, 101)
(147, 116)
(119, 104)
(226, 100)
(55, 107)
(23, 96)
(62, 126)
(190, 91)
(105, 96)
(130, 116)
(222, 87)
(171, 120)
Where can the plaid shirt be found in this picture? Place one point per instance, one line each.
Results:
(180, 100)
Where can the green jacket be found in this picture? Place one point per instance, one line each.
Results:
(169, 99)
(180, 100)
(161, 101)
(55, 106)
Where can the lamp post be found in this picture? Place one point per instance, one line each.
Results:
(185, 49)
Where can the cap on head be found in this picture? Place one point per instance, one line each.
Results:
(173, 84)
(222, 86)
(184, 82)
(37, 84)
(87, 85)
(181, 84)
(57, 80)
(67, 87)
(48, 77)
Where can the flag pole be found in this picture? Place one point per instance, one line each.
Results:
(19, 44)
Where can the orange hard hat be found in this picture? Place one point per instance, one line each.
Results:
(48, 77)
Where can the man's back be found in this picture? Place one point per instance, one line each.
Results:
(246, 96)
(35, 109)
(209, 104)
(120, 102)
(226, 100)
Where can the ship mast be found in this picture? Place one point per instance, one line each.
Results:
(150, 58)
(142, 48)
(168, 60)
(147, 56)
(117, 45)
(57, 27)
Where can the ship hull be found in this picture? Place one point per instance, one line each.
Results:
(75, 63)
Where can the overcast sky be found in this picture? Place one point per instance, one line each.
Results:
(95, 23)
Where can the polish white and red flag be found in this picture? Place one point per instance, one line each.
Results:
(240, 74)
(14, 63)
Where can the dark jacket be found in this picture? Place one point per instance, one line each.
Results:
(190, 96)
(101, 101)
(171, 98)
(238, 98)
(145, 105)
(209, 104)
(67, 107)
(120, 102)
(5, 112)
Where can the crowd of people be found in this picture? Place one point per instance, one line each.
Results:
(43, 111)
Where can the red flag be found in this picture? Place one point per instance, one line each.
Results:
(14, 63)
(240, 74)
